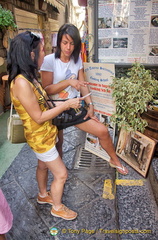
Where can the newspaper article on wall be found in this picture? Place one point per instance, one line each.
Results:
(128, 31)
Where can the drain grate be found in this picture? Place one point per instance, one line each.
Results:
(86, 159)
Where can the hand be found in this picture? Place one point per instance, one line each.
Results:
(90, 113)
(77, 84)
(73, 103)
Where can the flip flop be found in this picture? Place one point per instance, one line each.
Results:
(119, 168)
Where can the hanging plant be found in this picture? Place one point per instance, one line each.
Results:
(6, 19)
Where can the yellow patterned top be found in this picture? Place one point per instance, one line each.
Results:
(40, 137)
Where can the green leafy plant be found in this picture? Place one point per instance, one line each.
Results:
(132, 94)
(6, 19)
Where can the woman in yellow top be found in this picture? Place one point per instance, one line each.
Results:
(24, 59)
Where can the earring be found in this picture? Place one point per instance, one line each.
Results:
(33, 55)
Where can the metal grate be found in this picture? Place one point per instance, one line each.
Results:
(86, 159)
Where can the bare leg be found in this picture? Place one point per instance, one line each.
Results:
(42, 177)
(2, 237)
(99, 130)
(60, 143)
(59, 172)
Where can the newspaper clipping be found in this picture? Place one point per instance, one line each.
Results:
(100, 75)
(128, 31)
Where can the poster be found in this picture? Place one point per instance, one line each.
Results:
(128, 31)
(99, 76)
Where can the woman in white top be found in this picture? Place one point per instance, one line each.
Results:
(63, 77)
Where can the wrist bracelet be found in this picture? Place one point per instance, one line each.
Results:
(90, 104)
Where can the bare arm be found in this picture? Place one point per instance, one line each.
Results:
(47, 83)
(23, 91)
(84, 91)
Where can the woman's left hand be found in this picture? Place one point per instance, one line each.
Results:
(90, 113)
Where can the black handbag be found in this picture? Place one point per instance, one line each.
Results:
(63, 117)
(68, 117)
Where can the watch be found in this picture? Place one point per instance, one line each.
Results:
(90, 104)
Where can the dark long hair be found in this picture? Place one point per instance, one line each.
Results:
(19, 59)
(73, 32)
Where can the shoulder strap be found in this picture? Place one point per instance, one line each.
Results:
(47, 101)
(11, 109)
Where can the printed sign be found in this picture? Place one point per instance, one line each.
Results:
(100, 76)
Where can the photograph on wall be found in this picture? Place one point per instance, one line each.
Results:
(135, 149)
(154, 21)
(104, 43)
(104, 22)
(153, 51)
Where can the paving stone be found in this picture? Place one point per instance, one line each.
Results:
(95, 179)
(68, 158)
(75, 138)
(25, 160)
(77, 193)
(67, 147)
(6, 178)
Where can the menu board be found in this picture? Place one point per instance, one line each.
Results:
(128, 31)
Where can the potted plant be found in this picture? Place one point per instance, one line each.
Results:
(7, 28)
(6, 19)
(132, 94)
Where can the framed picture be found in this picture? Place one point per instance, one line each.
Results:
(135, 149)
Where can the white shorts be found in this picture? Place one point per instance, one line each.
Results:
(48, 156)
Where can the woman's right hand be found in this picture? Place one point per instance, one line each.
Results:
(73, 103)
(77, 84)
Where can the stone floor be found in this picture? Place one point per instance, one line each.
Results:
(130, 214)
